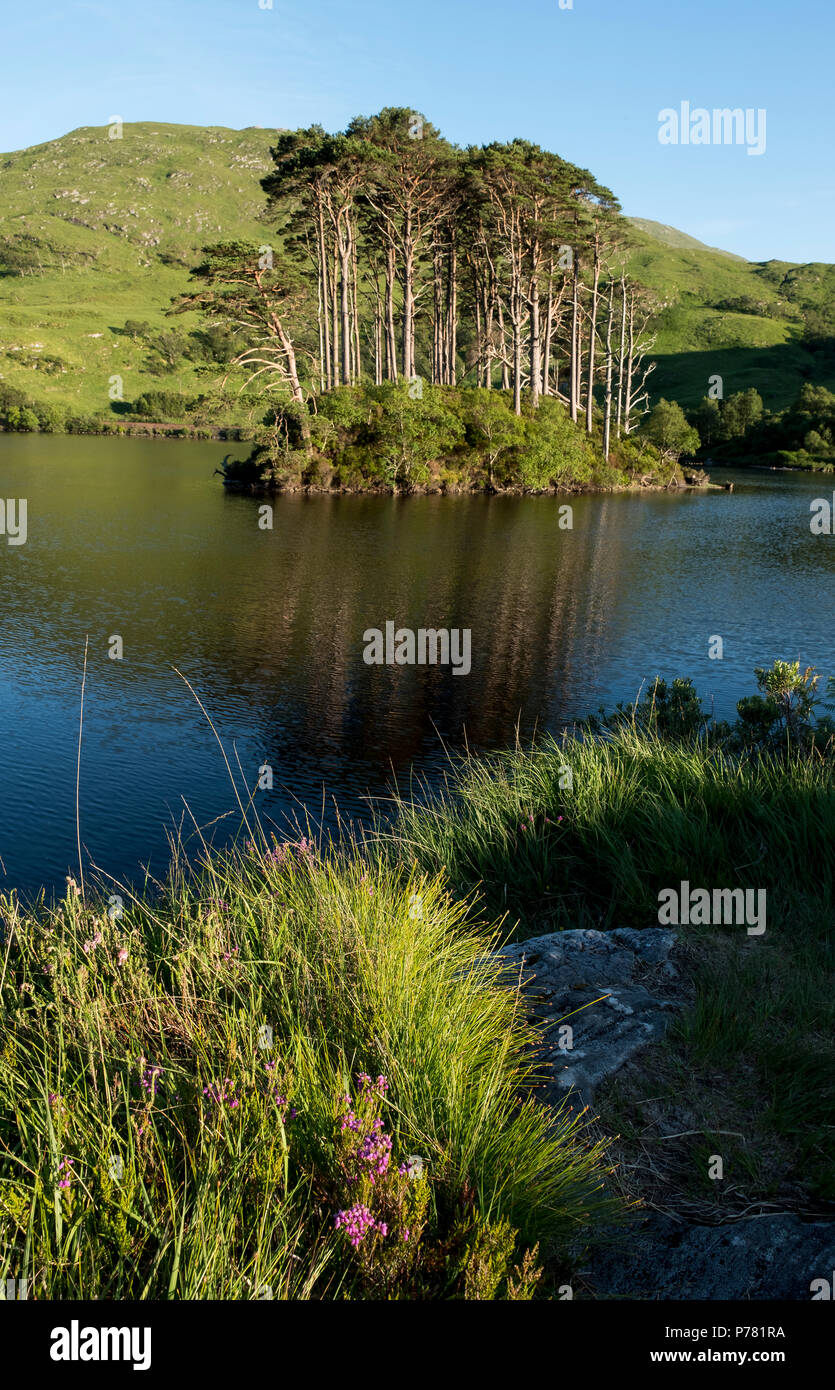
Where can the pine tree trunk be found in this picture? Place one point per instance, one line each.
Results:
(607, 404)
(516, 315)
(437, 317)
(355, 307)
(452, 312)
(491, 302)
(378, 329)
(408, 298)
(535, 347)
(391, 334)
(323, 290)
(488, 306)
(335, 313)
(549, 330)
(503, 337)
(630, 367)
(575, 329)
(595, 295)
(622, 353)
(345, 315)
(320, 323)
(481, 355)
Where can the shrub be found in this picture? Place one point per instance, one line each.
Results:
(22, 419)
(493, 430)
(667, 426)
(554, 449)
(162, 406)
(412, 430)
(51, 419)
(83, 424)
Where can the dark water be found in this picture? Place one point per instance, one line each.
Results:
(138, 539)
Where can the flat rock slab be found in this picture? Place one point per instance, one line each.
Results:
(760, 1257)
(595, 983)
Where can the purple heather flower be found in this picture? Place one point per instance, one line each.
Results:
(375, 1150)
(65, 1167)
(356, 1222)
(223, 1093)
(412, 1168)
(149, 1080)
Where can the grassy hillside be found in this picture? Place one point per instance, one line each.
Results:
(105, 231)
(743, 320)
(671, 236)
(96, 232)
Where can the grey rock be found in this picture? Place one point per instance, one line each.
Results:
(616, 990)
(761, 1257)
(586, 979)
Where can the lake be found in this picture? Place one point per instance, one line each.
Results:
(137, 539)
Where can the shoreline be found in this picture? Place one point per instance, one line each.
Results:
(233, 434)
(476, 490)
(286, 922)
(241, 434)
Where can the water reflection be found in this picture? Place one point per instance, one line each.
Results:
(137, 538)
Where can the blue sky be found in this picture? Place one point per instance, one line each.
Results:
(588, 82)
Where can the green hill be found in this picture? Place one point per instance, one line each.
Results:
(96, 232)
(742, 320)
(671, 236)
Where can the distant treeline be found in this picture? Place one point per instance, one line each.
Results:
(739, 429)
(801, 436)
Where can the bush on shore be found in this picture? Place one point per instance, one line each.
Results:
(395, 437)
